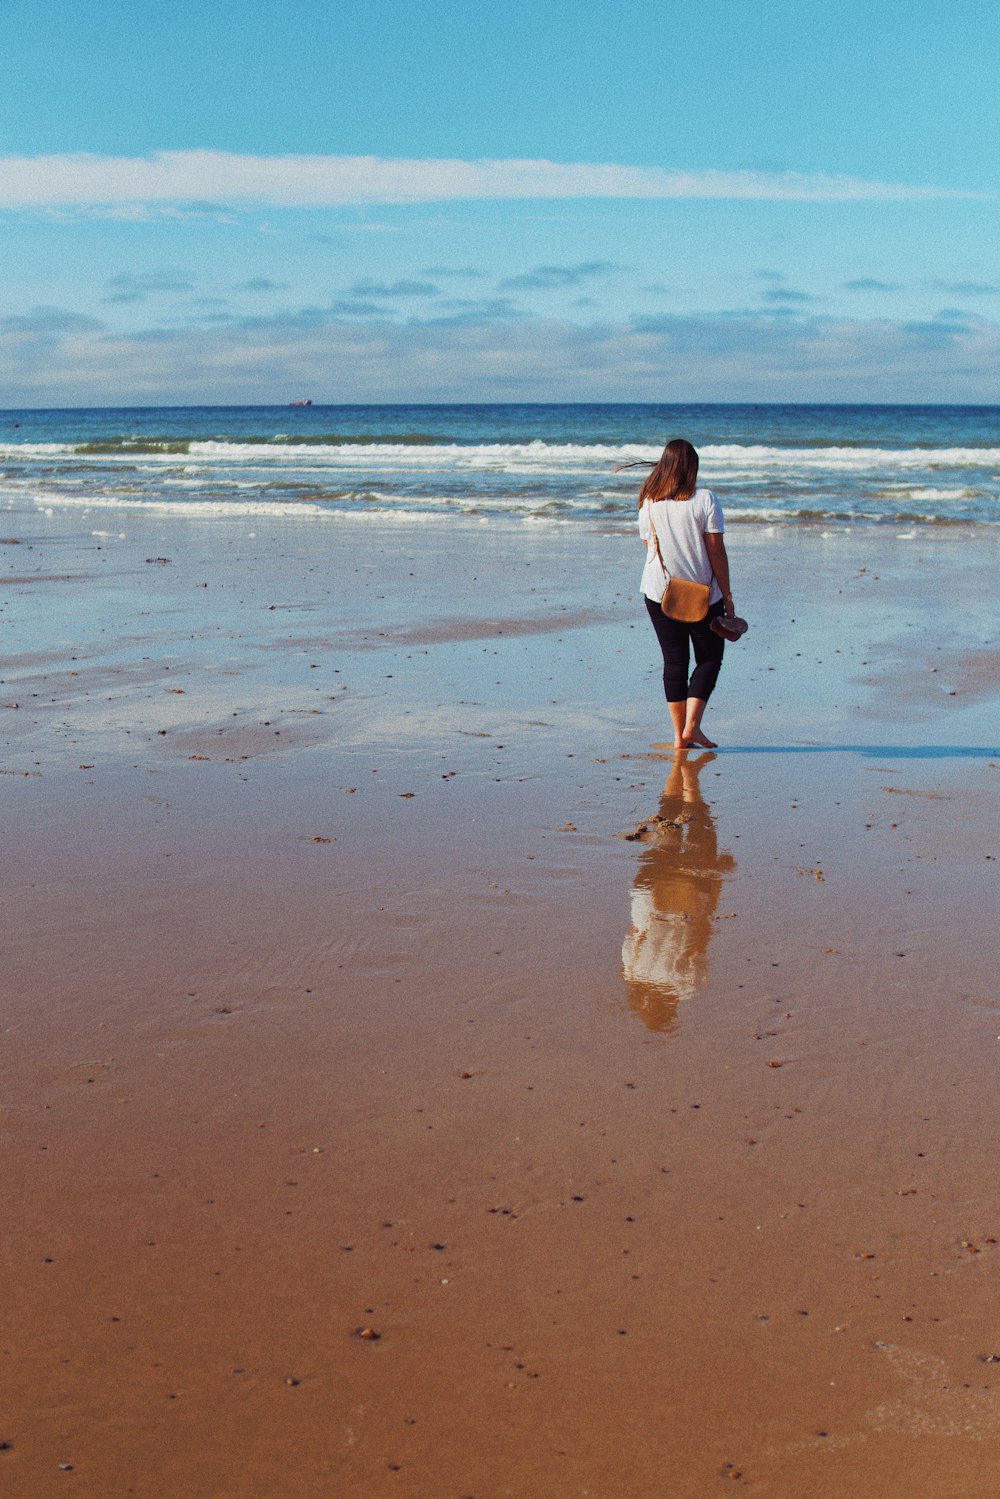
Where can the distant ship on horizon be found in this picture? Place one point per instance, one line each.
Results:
(300, 403)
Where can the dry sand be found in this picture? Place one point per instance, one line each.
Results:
(337, 1003)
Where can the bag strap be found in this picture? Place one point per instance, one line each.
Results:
(656, 545)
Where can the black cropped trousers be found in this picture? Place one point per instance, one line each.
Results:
(677, 640)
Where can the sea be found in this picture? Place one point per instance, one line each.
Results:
(510, 465)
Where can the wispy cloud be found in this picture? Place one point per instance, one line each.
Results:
(786, 296)
(557, 277)
(49, 322)
(203, 180)
(131, 287)
(473, 310)
(126, 211)
(466, 272)
(393, 289)
(966, 288)
(359, 308)
(870, 283)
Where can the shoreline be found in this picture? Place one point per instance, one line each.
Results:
(316, 1022)
(546, 465)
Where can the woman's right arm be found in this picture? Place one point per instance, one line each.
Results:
(717, 555)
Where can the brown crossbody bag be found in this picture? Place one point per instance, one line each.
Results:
(682, 600)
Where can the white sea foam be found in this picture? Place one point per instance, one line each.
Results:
(36, 449)
(419, 517)
(853, 458)
(922, 492)
(535, 483)
(532, 455)
(756, 513)
(241, 509)
(197, 508)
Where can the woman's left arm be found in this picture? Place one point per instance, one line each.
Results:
(717, 555)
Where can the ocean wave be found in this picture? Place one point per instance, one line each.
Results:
(195, 508)
(746, 462)
(357, 503)
(421, 450)
(141, 446)
(397, 476)
(152, 445)
(924, 492)
(431, 510)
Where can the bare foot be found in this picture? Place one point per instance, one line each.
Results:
(696, 739)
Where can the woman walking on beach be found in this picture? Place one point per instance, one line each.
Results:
(681, 529)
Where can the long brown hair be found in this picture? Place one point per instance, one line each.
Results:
(675, 477)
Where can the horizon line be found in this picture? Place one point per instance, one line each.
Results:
(321, 405)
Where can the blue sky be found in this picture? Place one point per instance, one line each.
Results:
(596, 201)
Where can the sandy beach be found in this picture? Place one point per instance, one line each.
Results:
(416, 1081)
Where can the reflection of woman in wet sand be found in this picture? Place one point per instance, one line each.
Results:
(676, 890)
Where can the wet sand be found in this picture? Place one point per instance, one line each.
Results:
(379, 1117)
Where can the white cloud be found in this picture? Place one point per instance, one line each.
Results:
(54, 358)
(209, 178)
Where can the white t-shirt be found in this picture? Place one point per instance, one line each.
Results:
(680, 530)
(662, 951)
